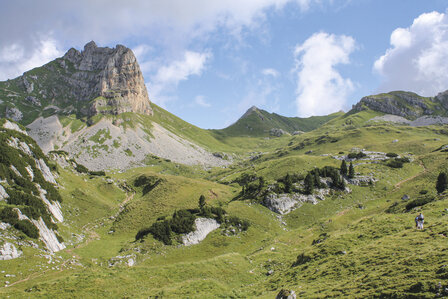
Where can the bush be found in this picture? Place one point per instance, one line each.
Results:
(302, 259)
(421, 201)
(358, 155)
(81, 168)
(28, 228)
(182, 222)
(10, 216)
(242, 224)
(395, 164)
(391, 155)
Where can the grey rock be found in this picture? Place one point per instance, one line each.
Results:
(14, 114)
(308, 152)
(204, 226)
(286, 294)
(33, 100)
(8, 252)
(405, 197)
(285, 203)
(277, 132)
(29, 86)
(109, 76)
(297, 133)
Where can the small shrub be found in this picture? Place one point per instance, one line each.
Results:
(302, 259)
(421, 201)
(395, 164)
(391, 155)
(358, 155)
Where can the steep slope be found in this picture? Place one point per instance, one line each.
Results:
(405, 104)
(96, 80)
(29, 200)
(258, 122)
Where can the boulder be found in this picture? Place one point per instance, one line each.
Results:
(8, 252)
(13, 113)
(286, 294)
(204, 226)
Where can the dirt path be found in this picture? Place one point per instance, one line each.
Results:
(397, 185)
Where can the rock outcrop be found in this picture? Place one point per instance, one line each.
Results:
(204, 226)
(405, 104)
(285, 203)
(8, 252)
(110, 77)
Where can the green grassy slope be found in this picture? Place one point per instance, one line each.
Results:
(358, 244)
(257, 122)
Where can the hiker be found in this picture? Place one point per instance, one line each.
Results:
(419, 220)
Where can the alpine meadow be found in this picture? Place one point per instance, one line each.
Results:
(104, 193)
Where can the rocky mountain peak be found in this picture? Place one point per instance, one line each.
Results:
(405, 104)
(250, 111)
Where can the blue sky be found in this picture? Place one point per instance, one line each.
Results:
(209, 61)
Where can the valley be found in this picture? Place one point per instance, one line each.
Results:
(280, 212)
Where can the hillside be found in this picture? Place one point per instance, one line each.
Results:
(257, 122)
(30, 202)
(118, 200)
(360, 242)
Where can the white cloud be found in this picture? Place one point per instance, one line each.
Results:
(173, 24)
(320, 87)
(418, 58)
(14, 60)
(270, 72)
(168, 77)
(200, 100)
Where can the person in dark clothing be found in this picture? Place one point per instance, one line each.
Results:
(419, 220)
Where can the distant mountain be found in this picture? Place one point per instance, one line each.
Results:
(258, 122)
(94, 81)
(405, 104)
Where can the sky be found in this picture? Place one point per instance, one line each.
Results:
(208, 61)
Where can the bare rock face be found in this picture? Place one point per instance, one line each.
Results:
(204, 226)
(111, 77)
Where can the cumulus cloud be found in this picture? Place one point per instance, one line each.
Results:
(14, 60)
(168, 77)
(320, 87)
(270, 72)
(200, 101)
(418, 57)
(175, 24)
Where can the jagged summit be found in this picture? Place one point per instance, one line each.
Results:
(120, 82)
(88, 82)
(405, 104)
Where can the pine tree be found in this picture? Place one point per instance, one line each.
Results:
(261, 183)
(351, 171)
(442, 182)
(309, 183)
(201, 202)
(288, 183)
(344, 169)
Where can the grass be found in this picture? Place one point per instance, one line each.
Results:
(361, 244)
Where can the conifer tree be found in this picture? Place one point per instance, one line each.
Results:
(344, 169)
(442, 182)
(288, 183)
(351, 171)
(309, 183)
(201, 202)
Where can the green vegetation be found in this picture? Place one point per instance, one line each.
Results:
(442, 182)
(257, 122)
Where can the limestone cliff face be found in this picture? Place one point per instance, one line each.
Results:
(111, 77)
(405, 104)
